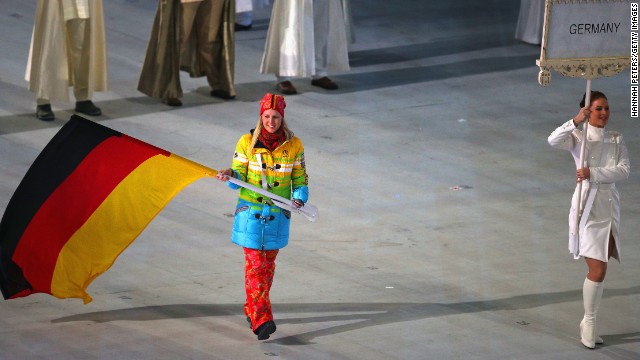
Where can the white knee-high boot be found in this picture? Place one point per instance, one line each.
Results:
(591, 296)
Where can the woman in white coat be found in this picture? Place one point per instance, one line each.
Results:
(596, 238)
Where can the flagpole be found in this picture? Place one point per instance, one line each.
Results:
(582, 164)
(307, 210)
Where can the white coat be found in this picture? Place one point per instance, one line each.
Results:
(290, 48)
(48, 70)
(608, 162)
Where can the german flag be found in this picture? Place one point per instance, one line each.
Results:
(87, 196)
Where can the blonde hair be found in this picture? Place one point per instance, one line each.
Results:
(256, 132)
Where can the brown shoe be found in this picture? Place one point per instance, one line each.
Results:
(325, 83)
(172, 101)
(287, 88)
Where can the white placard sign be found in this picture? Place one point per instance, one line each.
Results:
(585, 38)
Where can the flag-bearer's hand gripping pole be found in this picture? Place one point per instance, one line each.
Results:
(307, 210)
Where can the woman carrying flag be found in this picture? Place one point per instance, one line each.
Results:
(271, 157)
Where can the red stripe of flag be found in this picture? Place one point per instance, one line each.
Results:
(80, 194)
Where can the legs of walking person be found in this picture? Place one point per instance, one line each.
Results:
(597, 269)
(160, 75)
(206, 19)
(79, 55)
(592, 290)
(189, 11)
(77, 34)
(591, 297)
(321, 14)
(259, 272)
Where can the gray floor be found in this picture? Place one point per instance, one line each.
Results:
(442, 230)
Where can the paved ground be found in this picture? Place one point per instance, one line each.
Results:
(400, 265)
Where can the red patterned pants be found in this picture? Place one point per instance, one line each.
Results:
(259, 267)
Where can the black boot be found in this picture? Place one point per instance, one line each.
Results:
(87, 107)
(265, 330)
(44, 112)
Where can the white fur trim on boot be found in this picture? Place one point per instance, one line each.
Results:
(591, 296)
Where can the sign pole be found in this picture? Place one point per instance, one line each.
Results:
(582, 163)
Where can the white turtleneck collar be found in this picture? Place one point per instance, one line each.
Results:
(595, 133)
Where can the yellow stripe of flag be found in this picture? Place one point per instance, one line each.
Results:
(119, 220)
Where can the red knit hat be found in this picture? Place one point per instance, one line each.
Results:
(273, 102)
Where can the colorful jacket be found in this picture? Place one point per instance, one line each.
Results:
(258, 224)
